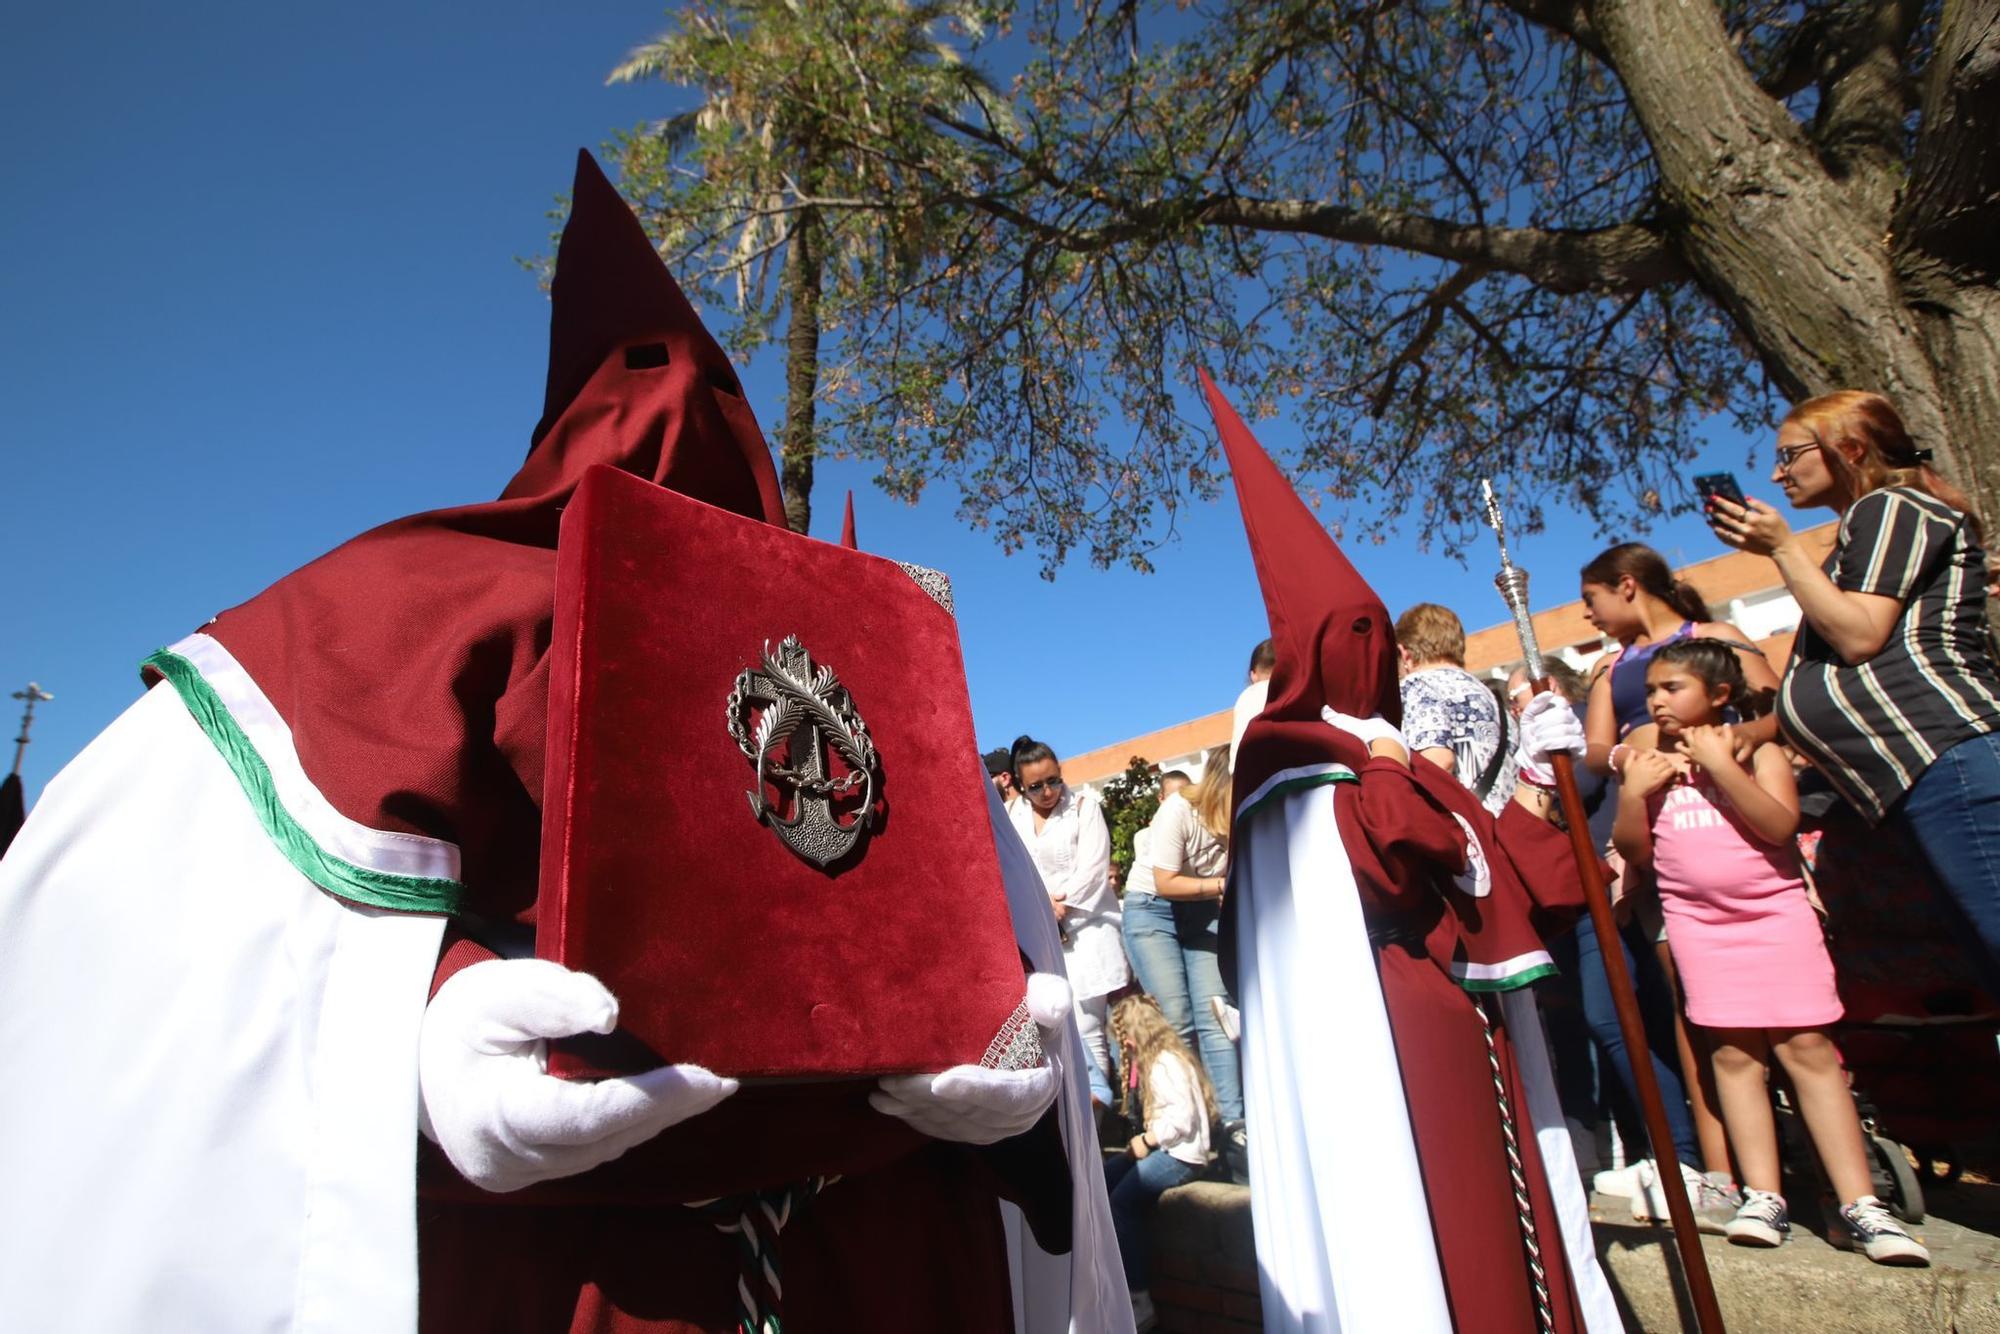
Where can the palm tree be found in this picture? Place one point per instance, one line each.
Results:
(792, 158)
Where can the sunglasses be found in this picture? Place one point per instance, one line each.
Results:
(1045, 784)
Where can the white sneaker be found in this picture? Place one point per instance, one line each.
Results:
(1143, 1315)
(1762, 1221)
(1627, 1183)
(1227, 1017)
(1866, 1226)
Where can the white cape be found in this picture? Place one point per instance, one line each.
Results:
(1344, 1240)
(210, 1116)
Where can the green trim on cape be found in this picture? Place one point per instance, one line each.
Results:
(1512, 982)
(1338, 774)
(343, 879)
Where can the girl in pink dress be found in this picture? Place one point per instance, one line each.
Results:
(1754, 969)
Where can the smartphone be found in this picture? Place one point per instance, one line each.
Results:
(1719, 485)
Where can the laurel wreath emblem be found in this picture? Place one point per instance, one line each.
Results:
(798, 693)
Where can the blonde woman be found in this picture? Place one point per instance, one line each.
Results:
(1892, 691)
(1175, 1102)
(1190, 849)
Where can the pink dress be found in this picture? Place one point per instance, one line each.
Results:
(1745, 939)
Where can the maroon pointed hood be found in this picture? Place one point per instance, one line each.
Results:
(408, 666)
(635, 380)
(847, 526)
(1334, 641)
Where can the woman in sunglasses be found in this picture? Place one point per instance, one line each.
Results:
(1892, 690)
(1071, 844)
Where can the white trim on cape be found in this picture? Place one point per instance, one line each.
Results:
(219, 1129)
(1328, 1120)
(1085, 1290)
(221, 1132)
(1328, 1123)
(388, 852)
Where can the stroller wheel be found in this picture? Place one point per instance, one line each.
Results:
(1895, 1179)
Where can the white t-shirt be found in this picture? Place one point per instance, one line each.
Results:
(1139, 880)
(1175, 1116)
(1181, 843)
(1248, 705)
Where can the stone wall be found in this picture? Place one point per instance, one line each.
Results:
(1205, 1261)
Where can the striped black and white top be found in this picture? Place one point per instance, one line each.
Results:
(1873, 727)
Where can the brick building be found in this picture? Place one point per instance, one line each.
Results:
(1740, 588)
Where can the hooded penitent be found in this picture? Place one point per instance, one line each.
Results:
(224, 1023)
(408, 663)
(1444, 908)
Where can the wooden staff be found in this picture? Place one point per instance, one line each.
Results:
(1513, 585)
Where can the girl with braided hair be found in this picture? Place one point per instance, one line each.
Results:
(1170, 1095)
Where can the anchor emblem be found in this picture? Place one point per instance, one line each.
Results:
(802, 714)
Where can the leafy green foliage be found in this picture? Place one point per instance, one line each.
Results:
(1431, 233)
(1130, 801)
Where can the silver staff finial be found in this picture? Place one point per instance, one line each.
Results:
(34, 694)
(1512, 582)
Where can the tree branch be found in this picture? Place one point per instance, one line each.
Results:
(1444, 298)
(1564, 17)
(1626, 257)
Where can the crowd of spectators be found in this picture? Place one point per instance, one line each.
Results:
(1697, 750)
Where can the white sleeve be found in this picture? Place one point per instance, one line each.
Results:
(1139, 878)
(1248, 705)
(1173, 1102)
(1168, 848)
(1089, 878)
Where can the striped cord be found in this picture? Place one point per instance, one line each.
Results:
(1524, 1205)
(756, 1220)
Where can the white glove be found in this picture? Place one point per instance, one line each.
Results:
(1549, 726)
(1365, 730)
(486, 1097)
(970, 1104)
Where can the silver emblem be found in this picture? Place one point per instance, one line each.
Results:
(802, 715)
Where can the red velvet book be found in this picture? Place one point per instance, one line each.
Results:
(764, 817)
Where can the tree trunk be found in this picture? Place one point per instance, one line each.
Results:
(798, 446)
(1801, 259)
(1947, 255)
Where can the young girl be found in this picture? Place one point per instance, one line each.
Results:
(1631, 595)
(1753, 967)
(1176, 1103)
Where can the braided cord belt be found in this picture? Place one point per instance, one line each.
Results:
(1524, 1207)
(756, 1220)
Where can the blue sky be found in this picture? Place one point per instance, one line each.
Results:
(262, 294)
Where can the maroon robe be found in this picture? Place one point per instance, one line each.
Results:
(1335, 648)
(441, 623)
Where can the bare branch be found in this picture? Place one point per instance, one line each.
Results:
(1444, 298)
(1565, 17)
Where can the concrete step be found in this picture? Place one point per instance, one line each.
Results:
(1205, 1271)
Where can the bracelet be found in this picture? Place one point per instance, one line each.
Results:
(1617, 768)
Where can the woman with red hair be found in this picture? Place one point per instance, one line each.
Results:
(1892, 690)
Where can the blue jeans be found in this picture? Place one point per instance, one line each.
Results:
(1656, 1007)
(1197, 926)
(1136, 1185)
(1172, 949)
(1155, 954)
(1953, 811)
